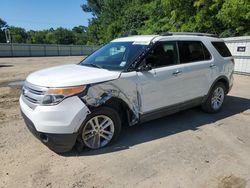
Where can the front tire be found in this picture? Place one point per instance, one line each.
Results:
(215, 99)
(101, 128)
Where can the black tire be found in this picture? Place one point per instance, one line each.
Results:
(207, 105)
(106, 111)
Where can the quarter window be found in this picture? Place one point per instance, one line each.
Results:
(222, 49)
(192, 51)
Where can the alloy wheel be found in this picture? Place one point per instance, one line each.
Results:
(98, 131)
(217, 98)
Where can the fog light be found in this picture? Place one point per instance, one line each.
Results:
(44, 138)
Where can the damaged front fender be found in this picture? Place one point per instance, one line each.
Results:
(124, 88)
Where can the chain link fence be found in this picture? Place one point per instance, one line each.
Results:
(36, 50)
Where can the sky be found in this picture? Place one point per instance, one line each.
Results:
(43, 14)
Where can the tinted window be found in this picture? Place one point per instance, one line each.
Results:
(191, 51)
(222, 49)
(163, 54)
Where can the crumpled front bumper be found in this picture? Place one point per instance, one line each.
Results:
(58, 143)
(56, 126)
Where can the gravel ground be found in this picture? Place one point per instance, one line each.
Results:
(189, 149)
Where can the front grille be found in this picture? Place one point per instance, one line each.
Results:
(33, 94)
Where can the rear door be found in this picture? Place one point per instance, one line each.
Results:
(198, 68)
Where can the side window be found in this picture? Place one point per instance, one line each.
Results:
(192, 51)
(163, 54)
(222, 49)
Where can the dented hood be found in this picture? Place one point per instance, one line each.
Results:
(71, 75)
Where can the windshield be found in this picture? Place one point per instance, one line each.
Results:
(115, 55)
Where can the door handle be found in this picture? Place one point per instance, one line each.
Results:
(212, 66)
(176, 73)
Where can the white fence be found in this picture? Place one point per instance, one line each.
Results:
(31, 50)
(240, 49)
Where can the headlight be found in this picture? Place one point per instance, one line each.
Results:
(56, 95)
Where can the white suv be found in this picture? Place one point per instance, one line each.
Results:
(128, 81)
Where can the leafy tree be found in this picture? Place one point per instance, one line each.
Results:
(80, 33)
(80, 29)
(235, 15)
(50, 38)
(18, 34)
(63, 36)
(116, 18)
(38, 37)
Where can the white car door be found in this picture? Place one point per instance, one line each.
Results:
(198, 67)
(163, 85)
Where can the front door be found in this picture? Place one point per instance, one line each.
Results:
(163, 85)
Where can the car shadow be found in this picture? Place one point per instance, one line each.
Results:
(190, 119)
(2, 66)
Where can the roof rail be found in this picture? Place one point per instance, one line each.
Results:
(188, 33)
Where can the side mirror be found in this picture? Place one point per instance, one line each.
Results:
(144, 66)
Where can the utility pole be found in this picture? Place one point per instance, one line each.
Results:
(7, 35)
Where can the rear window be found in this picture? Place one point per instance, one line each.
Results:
(192, 51)
(222, 49)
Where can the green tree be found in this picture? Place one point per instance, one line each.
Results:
(116, 18)
(18, 34)
(235, 15)
(50, 38)
(80, 33)
(107, 20)
(60, 36)
(37, 37)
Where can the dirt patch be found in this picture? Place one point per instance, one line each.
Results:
(232, 182)
(2, 116)
(10, 98)
(246, 113)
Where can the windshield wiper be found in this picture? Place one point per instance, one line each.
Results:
(94, 65)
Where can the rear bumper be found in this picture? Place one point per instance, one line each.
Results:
(58, 143)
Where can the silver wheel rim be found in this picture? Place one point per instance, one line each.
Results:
(217, 98)
(98, 131)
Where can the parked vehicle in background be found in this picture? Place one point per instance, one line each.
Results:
(128, 81)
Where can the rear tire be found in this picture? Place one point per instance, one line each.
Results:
(215, 99)
(101, 128)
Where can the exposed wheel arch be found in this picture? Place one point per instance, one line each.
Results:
(225, 81)
(121, 107)
(222, 79)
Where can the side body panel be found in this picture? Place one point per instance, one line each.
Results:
(159, 87)
(198, 77)
(223, 66)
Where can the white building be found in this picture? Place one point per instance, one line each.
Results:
(240, 49)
